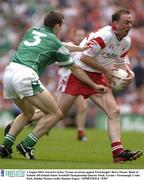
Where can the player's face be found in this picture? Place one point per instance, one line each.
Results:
(124, 25)
(58, 28)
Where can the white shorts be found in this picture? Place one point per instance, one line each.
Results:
(20, 81)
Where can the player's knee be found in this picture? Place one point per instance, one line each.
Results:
(58, 115)
(82, 109)
(51, 118)
(64, 114)
(115, 112)
(29, 114)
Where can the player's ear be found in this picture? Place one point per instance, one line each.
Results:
(57, 26)
(114, 23)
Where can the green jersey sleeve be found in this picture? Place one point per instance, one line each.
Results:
(63, 57)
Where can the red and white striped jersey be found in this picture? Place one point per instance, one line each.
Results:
(105, 48)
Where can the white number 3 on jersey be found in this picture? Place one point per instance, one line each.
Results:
(37, 38)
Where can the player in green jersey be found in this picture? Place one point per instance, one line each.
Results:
(38, 48)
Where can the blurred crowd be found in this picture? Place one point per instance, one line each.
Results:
(16, 16)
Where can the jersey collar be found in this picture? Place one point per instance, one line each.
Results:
(49, 29)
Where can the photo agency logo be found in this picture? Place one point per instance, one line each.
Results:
(2, 172)
(14, 173)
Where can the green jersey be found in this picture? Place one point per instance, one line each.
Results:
(40, 48)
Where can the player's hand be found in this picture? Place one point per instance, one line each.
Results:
(128, 80)
(83, 48)
(109, 75)
(101, 88)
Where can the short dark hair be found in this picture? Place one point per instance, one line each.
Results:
(116, 16)
(53, 18)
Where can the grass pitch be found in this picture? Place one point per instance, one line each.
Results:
(61, 150)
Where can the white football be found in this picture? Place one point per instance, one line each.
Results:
(119, 75)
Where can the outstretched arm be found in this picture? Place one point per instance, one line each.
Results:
(74, 48)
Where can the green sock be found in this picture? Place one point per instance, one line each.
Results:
(30, 140)
(9, 141)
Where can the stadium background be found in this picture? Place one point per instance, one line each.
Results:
(16, 16)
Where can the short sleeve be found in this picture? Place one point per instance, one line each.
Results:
(63, 57)
(97, 41)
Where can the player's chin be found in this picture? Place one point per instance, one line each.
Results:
(125, 33)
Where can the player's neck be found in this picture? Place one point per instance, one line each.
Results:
(116, 33)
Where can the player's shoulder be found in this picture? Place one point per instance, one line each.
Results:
(52, 38)
(35, 28)
(127, 40)
(105, 32)
(48, 34)
(37, 31)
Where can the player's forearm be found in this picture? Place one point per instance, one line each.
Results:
(80, 74)
(91, 62)
(72, 47)
(130, 72)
